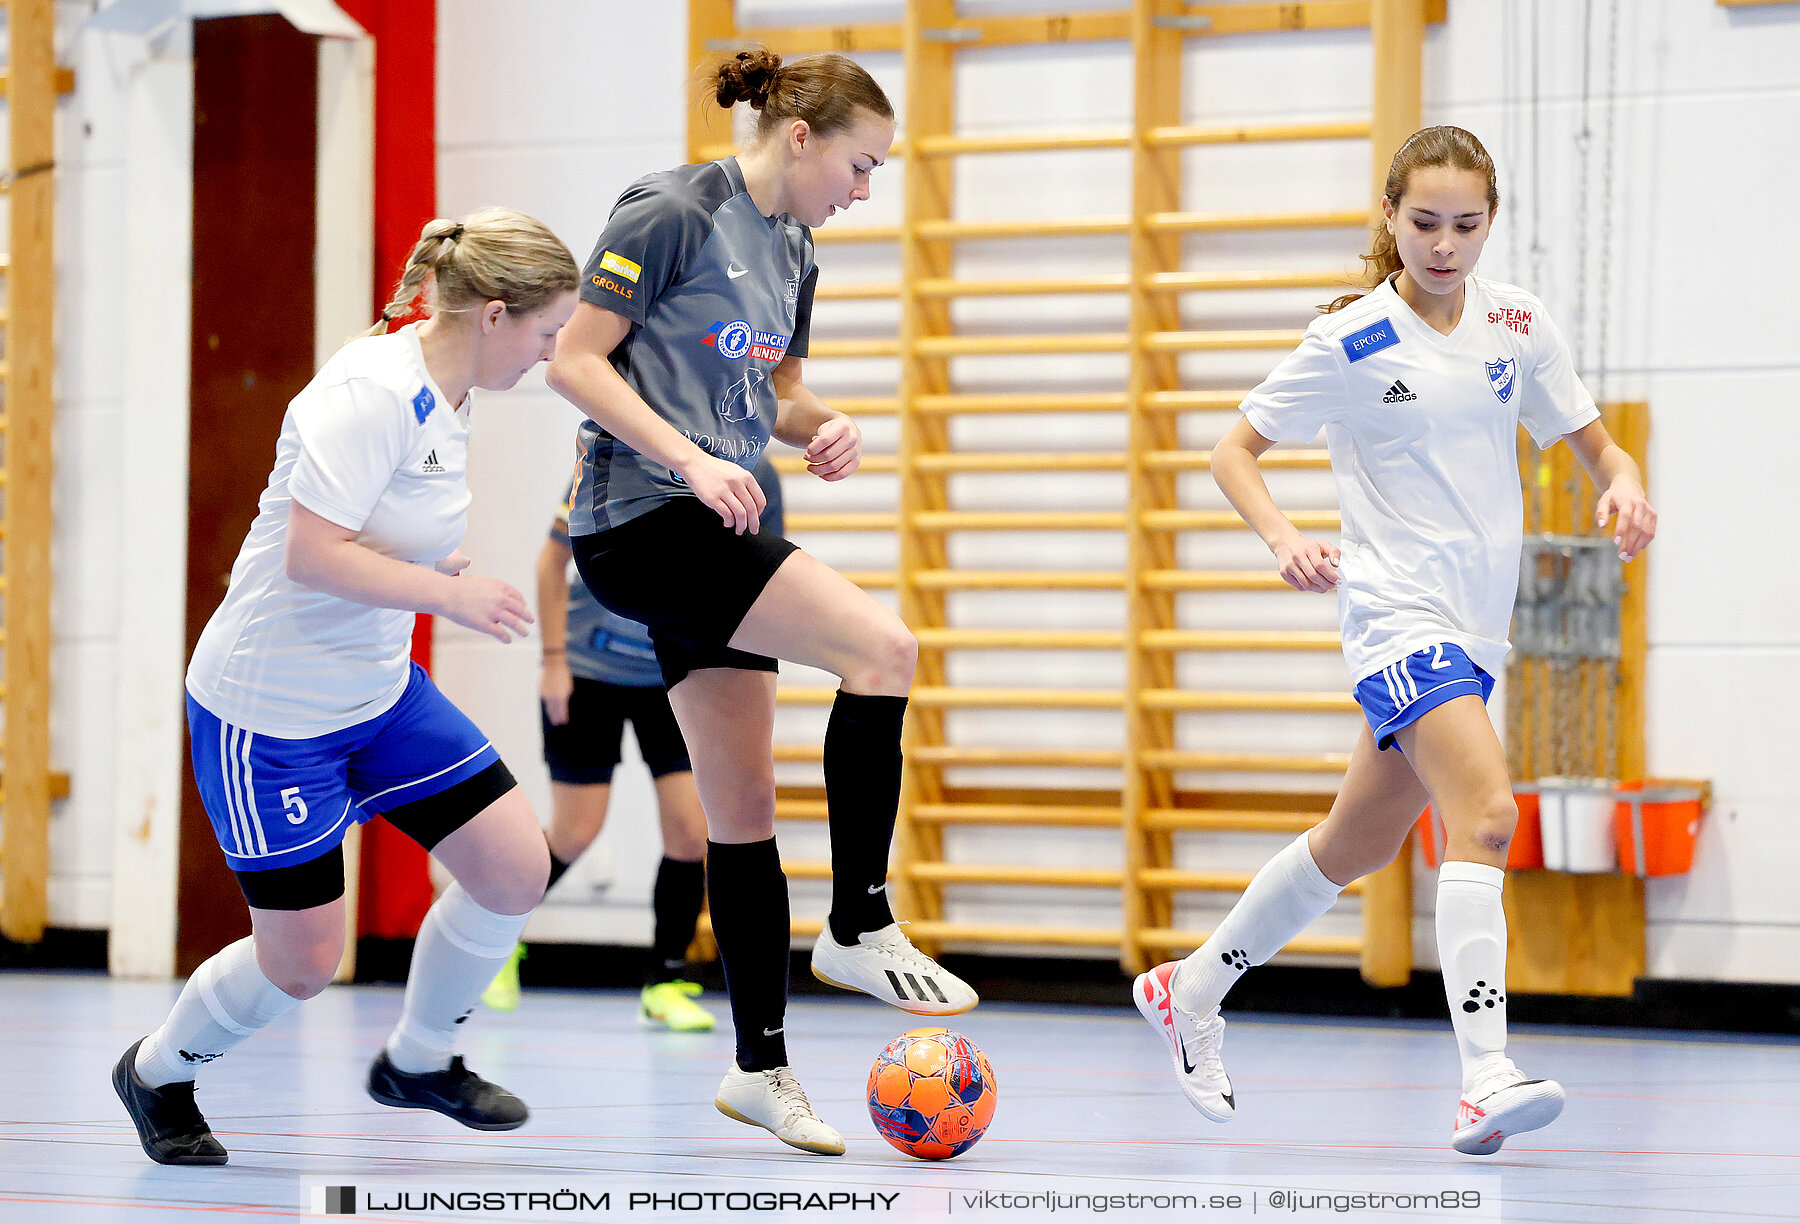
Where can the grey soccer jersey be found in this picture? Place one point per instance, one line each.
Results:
(718, 294)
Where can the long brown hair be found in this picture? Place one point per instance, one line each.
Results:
(1432, 146)
(494, 255)
(825, 89)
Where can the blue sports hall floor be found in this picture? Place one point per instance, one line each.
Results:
(1337, 1119)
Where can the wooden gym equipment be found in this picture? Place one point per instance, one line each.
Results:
(30, 84)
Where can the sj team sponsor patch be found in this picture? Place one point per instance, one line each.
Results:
(1370, 340)
(618, 265)
(736, 338)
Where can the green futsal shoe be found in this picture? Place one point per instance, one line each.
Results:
(671, 1005)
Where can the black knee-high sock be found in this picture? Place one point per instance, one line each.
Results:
(750, 922)
(679, 892)
(557, 869)
(862, 793)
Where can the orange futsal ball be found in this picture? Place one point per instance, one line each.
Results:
(931, 1093)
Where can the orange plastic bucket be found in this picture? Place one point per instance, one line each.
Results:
(1656, 826)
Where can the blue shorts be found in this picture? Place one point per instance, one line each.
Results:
(278, 802)
(1402, 693)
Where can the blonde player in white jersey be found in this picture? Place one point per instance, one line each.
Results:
(1419, 386)
(307, 715)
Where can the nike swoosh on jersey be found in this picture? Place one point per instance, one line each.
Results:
(733, 271)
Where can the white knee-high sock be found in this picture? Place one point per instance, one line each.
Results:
(460, 947)
(1283, 899)
(228, 999)
(1471, 933)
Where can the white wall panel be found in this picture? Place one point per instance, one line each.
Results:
(1317, 74)
(569, 187)
(1734, 951)
(1719, 447)
(91, 215)
(88, 598)
(1743, 868)
(84, 742)
(1674, 48)
(550, 71)
(1723, 713)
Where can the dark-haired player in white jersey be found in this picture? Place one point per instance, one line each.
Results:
(307, 714)
(1419, 385)
(686, 356)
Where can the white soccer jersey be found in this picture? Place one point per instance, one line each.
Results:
(371, 445)
(1422, 427)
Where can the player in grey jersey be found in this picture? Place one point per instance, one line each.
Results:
(685, 355)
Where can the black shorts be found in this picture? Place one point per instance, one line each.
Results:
(686, 576)
(428, 821)
(584, 750)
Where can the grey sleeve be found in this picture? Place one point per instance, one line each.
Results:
(653, 232)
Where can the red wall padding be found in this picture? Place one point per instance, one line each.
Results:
(395, 888)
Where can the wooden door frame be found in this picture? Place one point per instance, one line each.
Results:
(155, 282)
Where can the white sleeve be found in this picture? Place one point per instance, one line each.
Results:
(1553, 401)
(354, 435)
(1300, 396)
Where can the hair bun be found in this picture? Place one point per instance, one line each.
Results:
(749, 76)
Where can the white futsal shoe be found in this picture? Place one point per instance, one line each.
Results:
(885, 964)
(774, 1100)
(1194, 1042)
(1502, 1106)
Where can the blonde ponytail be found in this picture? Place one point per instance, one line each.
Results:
(493, 255)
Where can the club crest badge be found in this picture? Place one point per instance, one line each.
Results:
(1503, 376)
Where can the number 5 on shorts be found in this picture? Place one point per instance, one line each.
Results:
(290, 799)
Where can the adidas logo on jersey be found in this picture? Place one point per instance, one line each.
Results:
(432, 466)
(1398, 394)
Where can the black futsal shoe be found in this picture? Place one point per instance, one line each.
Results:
(456, 1092)
(168, 1122)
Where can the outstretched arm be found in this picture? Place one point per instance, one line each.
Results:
(1621, 487)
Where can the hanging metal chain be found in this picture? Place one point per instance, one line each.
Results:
(1562, 718)
(1517, 754)
(1509, 72)
(1604, 299)
(1567, 633)
(1585, 222)
(1609, 715)
(1538, 252)
(1583, 142)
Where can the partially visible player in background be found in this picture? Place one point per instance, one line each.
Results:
(600, 672)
